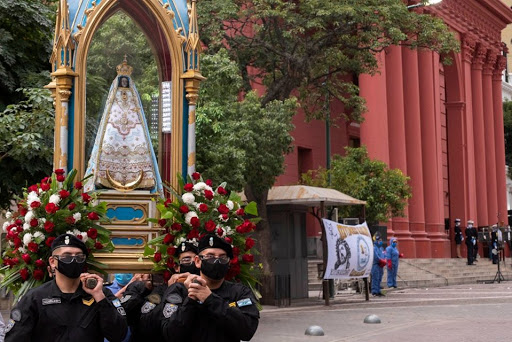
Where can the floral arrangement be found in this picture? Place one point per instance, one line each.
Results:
(48, 209)
(198, 210)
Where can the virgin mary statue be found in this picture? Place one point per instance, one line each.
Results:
(122, 157)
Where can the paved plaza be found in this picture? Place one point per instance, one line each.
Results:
(469, 313)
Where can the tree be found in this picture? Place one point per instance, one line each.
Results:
(26, 29)
(507, 123)
(385, 190)
(309, 48)
(26, 143)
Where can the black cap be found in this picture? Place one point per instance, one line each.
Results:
(69, 240)
(186, 247)
(213, 241)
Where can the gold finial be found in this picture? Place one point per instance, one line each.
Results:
(124, 68)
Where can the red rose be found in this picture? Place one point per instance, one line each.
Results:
(38, 274)
(168, 238)
(86, 198)
(188, 187)
(24, 274)
(98, 245)
(49, 241)
(167, 202)
(93, 216)
(64, 194)
(234, 261)
(233, 271)
(210, 226)
(167, 275)
(203, 208)
(48, 226)
(40, 263)
(18, 222)
(240, 212)
(26, 258)
(194, 233)
(184, 209)
(228, 240)
(225, 217)
(23, 211)
(17, 242)
(78, 185)
(59, 171)
(70, 220)
(176, 227)
(33, 247)
(35, 204)
(51, 208)
(32, 188)
(15, 261)
(196, 175)
(209, 182)
(71, 206)
(92, 233)
(60, 178)
(162, 222)
(171, 250)
(79, 237)
(208, 195)
(223, 209)
(236, 251)
(249, 258)
(249, 243)
(45, 186)
(46, 180)
(194, 222)
(157, 257)
(170, 262)
(34, 222)
(220, 232)
(221, 191)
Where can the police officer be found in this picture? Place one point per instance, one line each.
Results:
(474, 239)
(206, 307)
(458, 237)
(64, 309)
(144, 307)
(470, 243)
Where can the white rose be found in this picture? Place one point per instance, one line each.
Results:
(77, 216)
(189, 215)
(188, 198)
(27, 238)
(38, 235)
(55, 199)
(26, 226)
(76, 232)
(8, 215)
(4, 226)
(230, 205)
(22, 250)
(29, 216)
(229, 230)
(32, 197)
(200, 186)
(70, 232)
(222, 218)
(181, 239)
(84, 237)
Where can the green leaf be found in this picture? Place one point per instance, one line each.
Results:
(251, 208)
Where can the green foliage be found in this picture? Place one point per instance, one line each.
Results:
(385, 190)
(507, 123)
(315, 46)
(26, 29)
(26, 142)
(242, 141)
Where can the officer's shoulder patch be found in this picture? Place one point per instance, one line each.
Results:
(121, 311)
(244, 302)
(154, 298)
(174, 298)
(16, 315)
(169, 309)
(125, 298)
(147, 307)
(9, 326)
(232, 305)
(50, 301)
(116, 302)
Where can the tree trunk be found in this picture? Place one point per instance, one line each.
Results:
(264, 245)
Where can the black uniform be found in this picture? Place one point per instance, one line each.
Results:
(474, 234)
(47, 314)
(458, 235)
(470, 246)
(144, 311)
(228, 314)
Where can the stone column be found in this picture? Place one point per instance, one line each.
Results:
(413, 151)
(396, 132)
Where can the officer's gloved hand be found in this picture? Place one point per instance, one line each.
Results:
(138, 287)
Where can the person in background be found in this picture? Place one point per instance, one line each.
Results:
(470, 244)
(378, 265)
(474, 239)
(458, 237)
(392, 255)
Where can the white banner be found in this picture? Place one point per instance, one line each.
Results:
(349, 251)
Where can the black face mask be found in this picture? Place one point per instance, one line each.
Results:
(192, 269)
(71, 270)
(215, 271)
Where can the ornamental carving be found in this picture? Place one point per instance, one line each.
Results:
(468, 45)
(501, 63)
(480, 55)
(490, 60)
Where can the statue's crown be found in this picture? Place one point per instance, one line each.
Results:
(124, 68)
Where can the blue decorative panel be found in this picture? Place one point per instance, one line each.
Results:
(125, 214)
(132, 242)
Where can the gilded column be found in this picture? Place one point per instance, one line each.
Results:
(490, 141)
(479, 135)
(413, 151)
(499, 139)
(396, 132)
